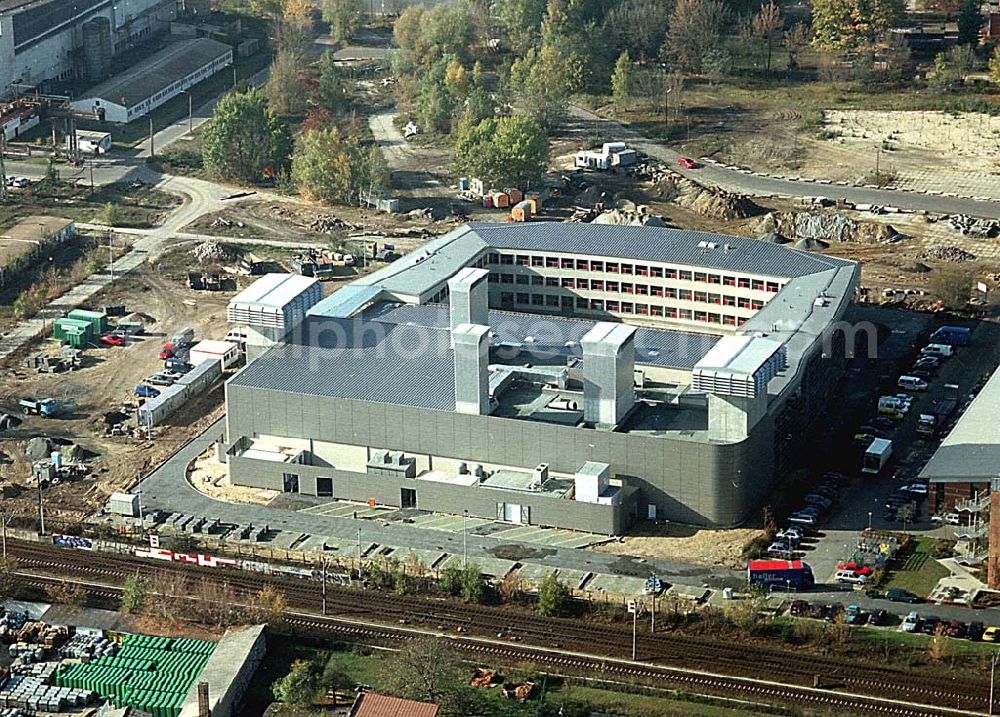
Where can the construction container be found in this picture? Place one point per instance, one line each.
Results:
(515, 195)
(487, 201)
(98, 320)
(75, 332)
(521, 212)
(463, 184)
(535, 200)
(208, 350)
(501, 200)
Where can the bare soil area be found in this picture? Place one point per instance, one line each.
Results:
(103, 385)
(211, 477)
(703, 547)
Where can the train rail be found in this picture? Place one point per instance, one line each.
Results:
(512, 630)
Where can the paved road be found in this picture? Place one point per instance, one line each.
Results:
(122, 164)
(736, 181)
(200, 197)
(167, 489)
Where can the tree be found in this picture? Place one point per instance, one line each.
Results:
(428, 670)
(285, 89)
(329, 90)
(272, 604)
(846, 24)
(473, 585)
(406, 29)
(67, 593)
(796, 40)
(970, 20)
(344, 17)
(767, 24)
(696, 27)
(544, 81)
(134, 594)
(335, 679)
(621, 82)
(995, 64)
(522, 20)
(10, 583)
(321, 166)
(510, 151)
(110, 214)
(952, 286)
(552, 596)
(299, 686)
(637, 26)
(951, 67)
(244, 137)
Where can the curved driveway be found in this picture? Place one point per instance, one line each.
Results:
(734, 180)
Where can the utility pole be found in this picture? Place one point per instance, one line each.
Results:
(465, 539)
(234, 73)
(190, 112)
(3, 169)
(993, 672)
(634, 607)
(111, 254)
(139, 493)
(359, 553)
(152, 152)
(5, 520)
(41, 508)
(91, 175)
(326, 565)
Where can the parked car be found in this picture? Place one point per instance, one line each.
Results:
(850, 577)
(112, 340)
(878, 617)
(801, 518)
(974, 631)
(832, 612)
(991, 634)
(855, 568)
(687, 163)
(900, 595)
(910, 623)
(790, 533)
(780, 549)
(144, 391)
(854, 615)
(922, 374)
(883, 423)
(930, 625)
(917, 489)
(947, 518)
(955, 628)
(167, 351)
(161, 379)
(799, 608)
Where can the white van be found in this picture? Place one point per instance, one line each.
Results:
(942, 350)
(912, 383)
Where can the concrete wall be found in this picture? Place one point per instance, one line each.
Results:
(689, 481)
(480, 501)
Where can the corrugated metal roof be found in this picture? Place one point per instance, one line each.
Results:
(673, 246)
(370, 704)
(346, 301)
(273, 291)
(971, 451)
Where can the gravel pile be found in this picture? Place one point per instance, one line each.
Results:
(950, 253)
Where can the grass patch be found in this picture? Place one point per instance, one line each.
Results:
(917, 570)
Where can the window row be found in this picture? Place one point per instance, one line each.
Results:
(615, 287)
(616, 267)
(617, 307)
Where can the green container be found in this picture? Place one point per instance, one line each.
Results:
(62, 328)
(98, 320)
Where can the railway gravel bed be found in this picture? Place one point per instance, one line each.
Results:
(794, 670)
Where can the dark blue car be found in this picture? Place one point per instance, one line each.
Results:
(144, 391)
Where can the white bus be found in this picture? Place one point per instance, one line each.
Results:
(876, 456)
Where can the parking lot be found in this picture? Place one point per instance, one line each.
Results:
(847, 500)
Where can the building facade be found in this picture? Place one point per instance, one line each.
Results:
(578, 376)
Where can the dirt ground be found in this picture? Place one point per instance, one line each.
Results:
(703, 547)
(210, 477)
(103, 384)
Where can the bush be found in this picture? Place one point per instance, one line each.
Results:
(552, 596)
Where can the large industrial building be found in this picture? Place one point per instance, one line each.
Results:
(42, 40)
(572, 375)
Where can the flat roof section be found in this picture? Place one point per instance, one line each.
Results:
(971, 452)
(27, 235)
(224, 669)
(158, 72)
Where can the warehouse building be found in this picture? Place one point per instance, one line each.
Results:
(26, 241)
(569, 375)
(156, 80)
(42, 40)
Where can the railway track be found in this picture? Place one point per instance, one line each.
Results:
(772, 665)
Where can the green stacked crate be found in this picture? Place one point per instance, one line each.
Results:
(98, 320)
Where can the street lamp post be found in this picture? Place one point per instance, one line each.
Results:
(993, 671)
(465, 538)
(4, 521)
(869, 521)
(359, 553)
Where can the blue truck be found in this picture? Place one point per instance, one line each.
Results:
(780, 574)
(952, 335)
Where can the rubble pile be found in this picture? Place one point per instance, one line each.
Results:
(326, 223)
(213, 251)
(38, 448)
(949, 253)
(707, 201)
(820, 229)
(624, 217)
(223, 223)
(972, 226)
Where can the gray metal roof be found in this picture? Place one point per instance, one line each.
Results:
(158, 72)
(365, 361)
(550, 334)
(645, 243)
(971, 452)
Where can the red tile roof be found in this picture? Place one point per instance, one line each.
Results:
(370, 704)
